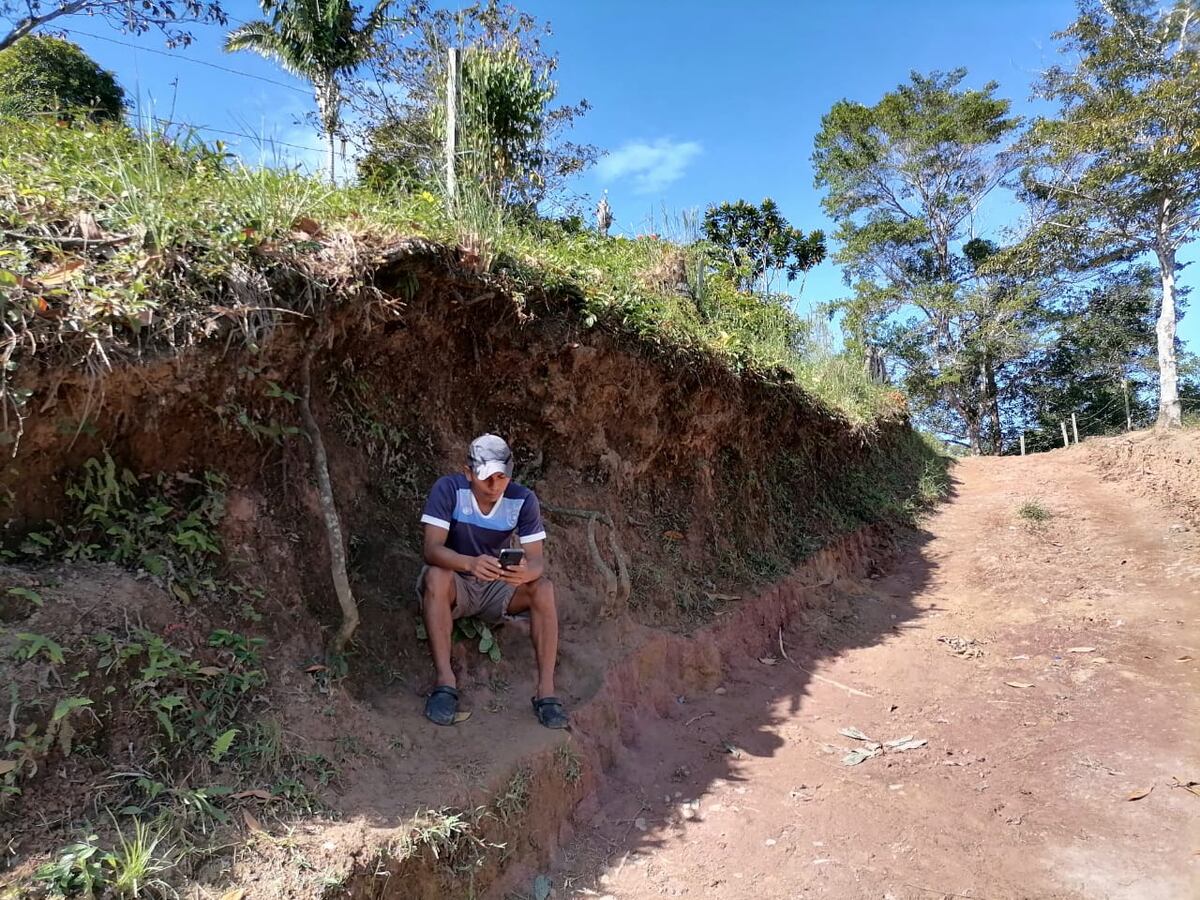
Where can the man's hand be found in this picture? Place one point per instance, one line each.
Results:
(518, 574)
(486, 568)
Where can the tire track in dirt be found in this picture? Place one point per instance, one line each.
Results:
(1021, 791)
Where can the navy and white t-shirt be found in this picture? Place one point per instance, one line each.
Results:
(452, 506)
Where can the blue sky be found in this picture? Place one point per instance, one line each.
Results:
(695, 102)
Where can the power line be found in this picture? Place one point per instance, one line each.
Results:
(199, 62)
(241, 134)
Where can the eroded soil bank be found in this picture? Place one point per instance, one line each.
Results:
(717, 486)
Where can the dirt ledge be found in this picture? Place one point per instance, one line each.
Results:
(646, 682)
(1164, 465)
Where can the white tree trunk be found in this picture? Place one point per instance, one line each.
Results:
(1170, 411)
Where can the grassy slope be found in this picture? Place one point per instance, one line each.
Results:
(199, 225)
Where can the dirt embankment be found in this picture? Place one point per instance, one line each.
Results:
(1164, 465)
(715, 484)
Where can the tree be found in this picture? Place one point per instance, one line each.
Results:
(1096, 359)
(319, 41)
(508, 102)
(1117, 174)
(136, 16)
(41, 74)
(904, 179)
(755, 243)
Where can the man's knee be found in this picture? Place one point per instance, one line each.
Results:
(542, 598)
(439, 585)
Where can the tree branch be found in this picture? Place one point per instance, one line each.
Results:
(32, 21)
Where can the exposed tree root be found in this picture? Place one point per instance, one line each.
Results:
(617, 586)
(333, 524)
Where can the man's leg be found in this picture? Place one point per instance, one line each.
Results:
(538, 598)
(437, 606)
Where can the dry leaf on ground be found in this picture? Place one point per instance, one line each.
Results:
(1139, 794)
(60, 274)
(252, 823)
(257, 792)
(1081, 649)
(235, 894)
(1019, 684)
(461, 716)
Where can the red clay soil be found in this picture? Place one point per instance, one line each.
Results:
(1161, 464)
(1051, 668)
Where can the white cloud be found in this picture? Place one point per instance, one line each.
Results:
(651, 164)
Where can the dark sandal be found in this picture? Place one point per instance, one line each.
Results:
(550, 712)
(442, 705)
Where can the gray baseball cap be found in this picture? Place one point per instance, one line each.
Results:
(488, 455)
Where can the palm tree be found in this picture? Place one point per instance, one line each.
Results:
(317, 40)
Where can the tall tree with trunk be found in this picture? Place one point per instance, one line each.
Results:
(904, 179)
(320, 41)
(135, 16)
(1116, 175)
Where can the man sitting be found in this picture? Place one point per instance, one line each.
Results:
(469, 517)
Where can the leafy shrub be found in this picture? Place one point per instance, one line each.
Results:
(41, 74)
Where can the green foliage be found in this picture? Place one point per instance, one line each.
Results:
(136, 862)
(470, 629)
(41, 74)
(29, 646)
(26, 594)
(1034, 512)
(753, 243)
(511, 139)
(166, 526)
(317, 40)
(187, 201)
(1116, 173)
(126, 872)
(79, 869)
(1100, 358)
(903, 180)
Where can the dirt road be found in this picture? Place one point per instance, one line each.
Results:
(1052, 671)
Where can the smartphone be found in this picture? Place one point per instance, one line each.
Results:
(511, 556)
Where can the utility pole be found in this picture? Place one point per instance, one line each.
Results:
(452, 70)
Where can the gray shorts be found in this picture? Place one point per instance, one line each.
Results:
(485, 600)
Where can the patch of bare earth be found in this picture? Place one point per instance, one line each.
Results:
(1052, 669)
(1165, 465)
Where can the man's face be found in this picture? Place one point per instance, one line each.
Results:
(491, 488)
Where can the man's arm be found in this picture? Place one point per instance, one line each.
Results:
(436, 553)
(531, 567)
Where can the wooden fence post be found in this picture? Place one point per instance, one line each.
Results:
(1022, 443)
(1075, 427)
(451, 124)
(1066, 440)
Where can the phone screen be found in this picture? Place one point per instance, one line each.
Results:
(511, 557)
